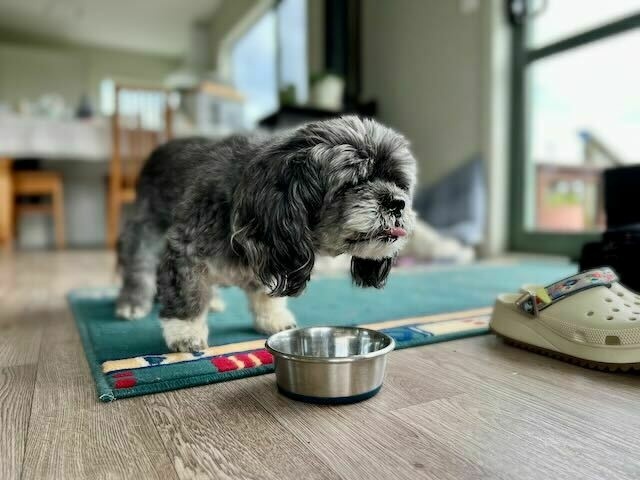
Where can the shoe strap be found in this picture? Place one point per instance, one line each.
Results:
(535, 300)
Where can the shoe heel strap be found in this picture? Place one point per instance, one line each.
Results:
(533, 301)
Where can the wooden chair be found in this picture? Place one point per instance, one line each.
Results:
(39, 183)
(141, 121)
(6, 203)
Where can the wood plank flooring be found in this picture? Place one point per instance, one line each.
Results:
(468, 409)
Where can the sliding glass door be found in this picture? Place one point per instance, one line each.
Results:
(575, 111)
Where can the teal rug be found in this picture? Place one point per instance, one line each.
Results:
(416, 308)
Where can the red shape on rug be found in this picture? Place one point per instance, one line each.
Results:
(126, 382)
(264, 356)
(244, 358)
(124, 373)
(223, 364)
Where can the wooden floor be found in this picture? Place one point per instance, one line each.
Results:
(466, 409)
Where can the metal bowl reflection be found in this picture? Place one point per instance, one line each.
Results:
(330, 364)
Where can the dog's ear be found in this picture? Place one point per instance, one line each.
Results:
(367, 272)
(275, 211)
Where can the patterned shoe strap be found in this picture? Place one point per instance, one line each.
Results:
(532, 302)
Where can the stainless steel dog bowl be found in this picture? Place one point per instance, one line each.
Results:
(330, 364)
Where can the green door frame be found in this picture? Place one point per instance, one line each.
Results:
(521, 239)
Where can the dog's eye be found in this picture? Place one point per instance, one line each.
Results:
(399, 180)
(403, 185)
(363, 155)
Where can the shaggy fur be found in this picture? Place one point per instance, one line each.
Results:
(254, 212)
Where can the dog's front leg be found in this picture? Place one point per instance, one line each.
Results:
(184, 293)
(270, 314)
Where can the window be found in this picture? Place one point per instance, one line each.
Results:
(253, 63)
(272, 57)
(576, 110)
(107, 97)
(292, 37)
(143, 107)
(564, 18)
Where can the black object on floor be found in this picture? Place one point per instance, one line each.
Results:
(620, 249)
(620, 244)
(621, 187)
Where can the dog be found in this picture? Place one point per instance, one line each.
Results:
(254, 212)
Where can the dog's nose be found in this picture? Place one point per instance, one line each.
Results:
(396, 206)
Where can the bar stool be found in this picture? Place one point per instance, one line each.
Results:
(40, 184)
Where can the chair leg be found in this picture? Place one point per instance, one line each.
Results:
(58, 216)
(15, 220)
(6, 204)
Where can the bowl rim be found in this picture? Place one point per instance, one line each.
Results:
(312, 359)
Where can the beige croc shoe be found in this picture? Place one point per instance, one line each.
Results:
(589, 319)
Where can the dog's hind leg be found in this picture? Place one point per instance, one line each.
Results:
(216, 304)
(427, 243)
(139, 248)
(270, 314)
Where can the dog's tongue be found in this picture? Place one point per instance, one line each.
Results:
(396, 232)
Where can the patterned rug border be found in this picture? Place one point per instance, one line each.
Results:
(240, 360)
(255, 347)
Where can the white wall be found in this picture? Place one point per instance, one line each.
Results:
(315, 42)
(29, 70)
(421, 62)
(436, 68)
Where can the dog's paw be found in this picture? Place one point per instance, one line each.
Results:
(130, 310)
(274, 321)
(188, 345)
(185, 335)
(216, 304)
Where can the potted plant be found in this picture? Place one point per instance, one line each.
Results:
(327, 91)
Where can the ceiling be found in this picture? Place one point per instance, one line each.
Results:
(152, 26)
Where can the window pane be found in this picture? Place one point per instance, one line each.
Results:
(564, 18)
(292, 34)
(253, 60)
(584, 115)
(107, 97)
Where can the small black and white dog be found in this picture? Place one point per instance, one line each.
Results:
(254, 212)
